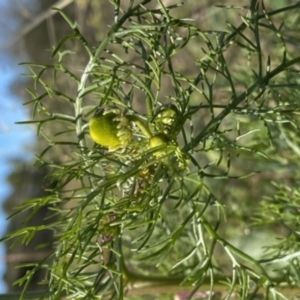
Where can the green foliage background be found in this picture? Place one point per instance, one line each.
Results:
(228, 223)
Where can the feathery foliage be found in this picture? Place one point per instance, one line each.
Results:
(169, 217)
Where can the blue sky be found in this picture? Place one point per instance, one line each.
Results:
(13, 138)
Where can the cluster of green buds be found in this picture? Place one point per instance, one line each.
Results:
(114, 130)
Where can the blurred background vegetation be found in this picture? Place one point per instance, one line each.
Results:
(261, 211)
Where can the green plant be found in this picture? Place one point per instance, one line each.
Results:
(162, 215)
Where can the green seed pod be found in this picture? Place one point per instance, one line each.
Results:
(104, 130)
(157, 140)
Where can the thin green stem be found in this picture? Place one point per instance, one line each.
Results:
(259, 84)
(141, 125)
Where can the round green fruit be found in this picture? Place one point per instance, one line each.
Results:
(157, 140)
(104, 130)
